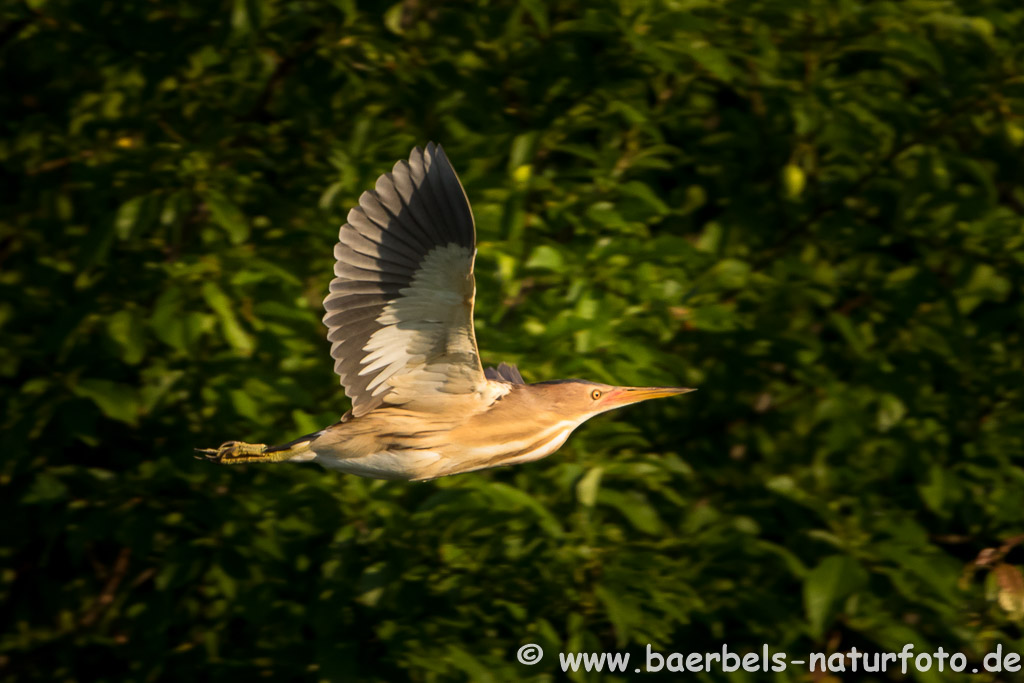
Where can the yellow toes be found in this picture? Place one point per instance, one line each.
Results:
(234, 452)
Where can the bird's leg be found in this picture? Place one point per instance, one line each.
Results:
(239, 452)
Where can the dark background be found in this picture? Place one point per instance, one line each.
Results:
(812, 211)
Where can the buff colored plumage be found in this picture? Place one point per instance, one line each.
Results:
(400, 321)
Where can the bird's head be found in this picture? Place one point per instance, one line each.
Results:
(577, 398)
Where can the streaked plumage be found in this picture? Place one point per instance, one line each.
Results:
(400, 321)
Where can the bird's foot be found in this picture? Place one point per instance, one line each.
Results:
(235, 453)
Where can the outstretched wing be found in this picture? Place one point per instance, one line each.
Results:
(400, 310)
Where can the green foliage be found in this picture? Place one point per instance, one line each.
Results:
(810, 210)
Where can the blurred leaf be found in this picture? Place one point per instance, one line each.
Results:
(587, 488)
(116, 401)
(127, 330)
(45, 488)
(135, 216)
(545, 258)
(793, 180)
(984, 284)
(227, 216)
(635, 508)
(890, 411)
(645, 194)
(512, 498)
(232, 329)
(827, 585)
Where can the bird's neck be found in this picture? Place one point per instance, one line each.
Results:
(515, 429)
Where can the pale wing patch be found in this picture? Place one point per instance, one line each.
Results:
(426, 333)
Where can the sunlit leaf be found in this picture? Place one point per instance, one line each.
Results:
(827, 585)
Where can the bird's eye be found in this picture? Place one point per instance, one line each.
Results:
(595, 394)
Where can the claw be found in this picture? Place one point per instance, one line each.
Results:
(232, 452)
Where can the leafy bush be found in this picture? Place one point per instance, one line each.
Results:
(811, 211)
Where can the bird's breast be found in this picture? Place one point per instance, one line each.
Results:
(479, 445)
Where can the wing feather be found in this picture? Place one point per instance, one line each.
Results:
(406, 188)
(505, 372)
(399, 313)
(367, 247)
(375, 233)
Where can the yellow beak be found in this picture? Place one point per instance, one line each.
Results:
(623, 396)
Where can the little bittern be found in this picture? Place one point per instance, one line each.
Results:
(400, 321)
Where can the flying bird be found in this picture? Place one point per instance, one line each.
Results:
(399, 317)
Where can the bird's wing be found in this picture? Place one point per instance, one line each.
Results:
(400, 310)
(505, 372)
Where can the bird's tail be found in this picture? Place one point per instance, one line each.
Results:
(239, 452)
(297, 451)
